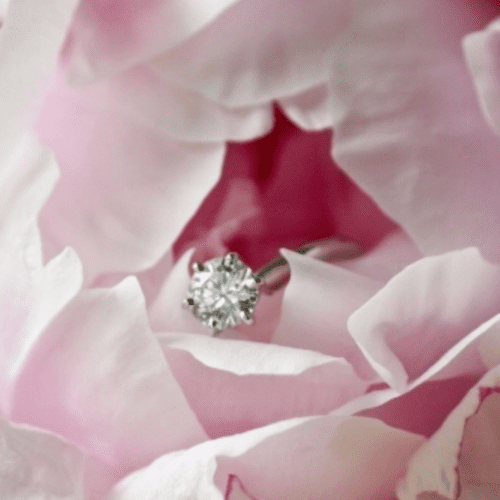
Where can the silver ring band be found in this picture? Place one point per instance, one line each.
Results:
(224, 291)
(276, 274)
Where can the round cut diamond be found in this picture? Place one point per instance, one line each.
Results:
(223, 292)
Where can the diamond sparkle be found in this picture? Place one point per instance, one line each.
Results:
(223, 292)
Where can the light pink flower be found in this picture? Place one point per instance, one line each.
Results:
(349, 384)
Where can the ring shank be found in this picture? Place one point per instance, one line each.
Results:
(276, 274)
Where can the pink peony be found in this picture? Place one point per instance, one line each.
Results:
(180, 130)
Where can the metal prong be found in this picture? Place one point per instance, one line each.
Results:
(197, 267)
(230, 258)
(248, 321)
(187, 302)
(246, 316)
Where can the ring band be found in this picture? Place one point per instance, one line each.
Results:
(276, 274)
(224, 291)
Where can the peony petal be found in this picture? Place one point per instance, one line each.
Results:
(426, 401)
(32, 295)
(236, 491)
(98, 378)
(452, 463)
(231, 384)
(317, 302)
(424, 311)
(311, 458)
(49, 291)
(27, 178)
(36, 464)
(288, 51)
(424, 408)
(183, 114)
(311, 109)
(412, 132)
(188, 474)
(245, 358)
(388, 258)
(322, 460)
(126, 190)
(482, 51)
(479, 461)
(315, 292)
(151, 280)
(25, 63)
(108, 36)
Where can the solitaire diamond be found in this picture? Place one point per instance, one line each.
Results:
(223, 292)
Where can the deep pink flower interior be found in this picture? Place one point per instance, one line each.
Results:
(301, 196)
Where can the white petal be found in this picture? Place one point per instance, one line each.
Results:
(30, 38)
(36, 464)
(258, 51)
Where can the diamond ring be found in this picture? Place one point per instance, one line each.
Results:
(224, 291)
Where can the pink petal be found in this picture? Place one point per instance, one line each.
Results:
(231, 384)
(313, 458)
(424, 311)
(27, 178)
(423, 409)
(482, 51)
(189, 474)
(425, 402)
(320, 297)
(359, 459)
(388, 258)
(455, 463)
(236, 491)
(151, 280)
(126, 190)
(36, 464)
(408, 127)
(25, 63)
(311, 109)
(288, 51)
(98, 377)
(182, 114)
(32, 295)
(479, 461)
(109, 36)
(317, 302)
(245, 358)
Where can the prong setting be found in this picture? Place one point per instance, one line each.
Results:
(223, 292)
(197, 267)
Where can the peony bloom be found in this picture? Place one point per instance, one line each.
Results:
(370, 378)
